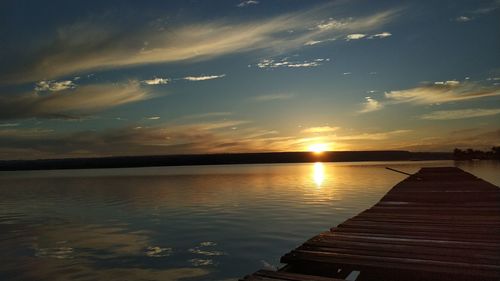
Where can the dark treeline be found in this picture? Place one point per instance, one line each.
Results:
(218, 159)
(469, 154)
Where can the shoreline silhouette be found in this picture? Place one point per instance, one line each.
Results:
(219, 159)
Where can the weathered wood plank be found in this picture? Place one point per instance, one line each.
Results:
(396, 226)
(432, 217)
(404, 251)
(421, 234)
(368, 261)
(405, 240)
(424, 222)
(266, 275)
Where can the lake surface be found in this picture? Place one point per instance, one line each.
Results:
(181, 223)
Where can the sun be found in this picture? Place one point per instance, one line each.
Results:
(318, 148)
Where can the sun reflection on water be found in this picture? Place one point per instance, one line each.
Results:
(318, 173)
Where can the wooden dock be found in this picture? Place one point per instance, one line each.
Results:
(438, 224)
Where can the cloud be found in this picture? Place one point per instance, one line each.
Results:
(203, 78)
(91, 46)
(380, 35)
(460, 114)
(204, 137)
(442, 92)
(9, 124)
(433, 93)
(323, 129)
(372, 136)
(449, 82)
(156, 81)
(54, 86)
(355, 36)
(153, 118)
(315, 42)
(463, 19)
(247, 3)
(201, 137)
(273, 97)
(214, 125)
(484, 139)
(72, 103)
(207, 115)
(25, 132)
(304, 64)
(284, 62)
(473, 14)
(370, 105)
(331, 24)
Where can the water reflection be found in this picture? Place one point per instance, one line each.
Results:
(207, 223)
(318, 174)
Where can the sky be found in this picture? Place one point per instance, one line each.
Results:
(109, 78)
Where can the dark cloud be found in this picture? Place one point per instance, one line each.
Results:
(70, 103)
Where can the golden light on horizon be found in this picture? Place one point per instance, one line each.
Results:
(318, 148)
(318, 173)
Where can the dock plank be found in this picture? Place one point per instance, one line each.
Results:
(266, 275)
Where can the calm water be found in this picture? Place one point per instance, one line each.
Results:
(181, 223)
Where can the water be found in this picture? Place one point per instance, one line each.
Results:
(181, 223)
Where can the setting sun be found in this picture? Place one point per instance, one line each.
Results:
(318, 148)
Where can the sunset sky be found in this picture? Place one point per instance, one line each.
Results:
(103, 78)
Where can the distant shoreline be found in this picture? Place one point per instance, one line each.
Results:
(219, 159)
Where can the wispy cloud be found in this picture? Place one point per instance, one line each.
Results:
(433, 93)
(442, 141)
(273, 97)
(463, 19)
(54, 86)
(331, 23)
(473, 14)
(285, 62)
(370, 105)
(25, 132)
(322, 129)
(304, 64)
(460, 114)
(207, 115)
(202, 137)
(90, 46)
(205, 137)
(203, 77)
(153, 117)
(247, 3)
(355, 36)
(213, 125)
(442, 92)
(156, 81)
(315, 42)
(9, 125)
(380, 35)
(71, 103)
(448, 83)
(372, 136)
